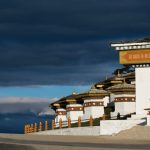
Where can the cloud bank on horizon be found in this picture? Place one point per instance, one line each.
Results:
(65, 42)
(38, 106)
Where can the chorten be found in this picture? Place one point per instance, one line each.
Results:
(124, 99)
(94, 103)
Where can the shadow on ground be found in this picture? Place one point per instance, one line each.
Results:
(4, 146)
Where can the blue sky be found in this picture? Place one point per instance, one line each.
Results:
(48, 47)
(41, 91)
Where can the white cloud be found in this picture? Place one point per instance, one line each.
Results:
(13, 99)
(25, 104)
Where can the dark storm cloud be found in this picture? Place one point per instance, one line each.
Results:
(65, 42)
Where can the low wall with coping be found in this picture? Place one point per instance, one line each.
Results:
(107, 127)
(82, 131)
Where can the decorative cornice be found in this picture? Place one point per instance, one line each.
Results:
(60, 113)
(141, 65)
(131, 46)
(91, 104)
(124, 99)
(74, 109)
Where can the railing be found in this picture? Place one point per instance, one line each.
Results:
(122, 117)
(32, 128)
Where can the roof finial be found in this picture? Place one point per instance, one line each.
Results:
(74, 93)
(93, 87)
(106, 77)
(124, 80)
(118, 73)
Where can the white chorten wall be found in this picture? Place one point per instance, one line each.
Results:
(94, 108)
(112, 97)
(124, 104)
(106, 100)
(74, 111)
(142, 90)
(60, 114)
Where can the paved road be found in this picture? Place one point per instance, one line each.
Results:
(5, 144)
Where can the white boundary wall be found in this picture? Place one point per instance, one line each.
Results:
(107, 127)
(148, 120)
(142, 90)
(82, 131)
(110, 127)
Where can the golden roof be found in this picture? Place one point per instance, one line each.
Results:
(122, 87)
